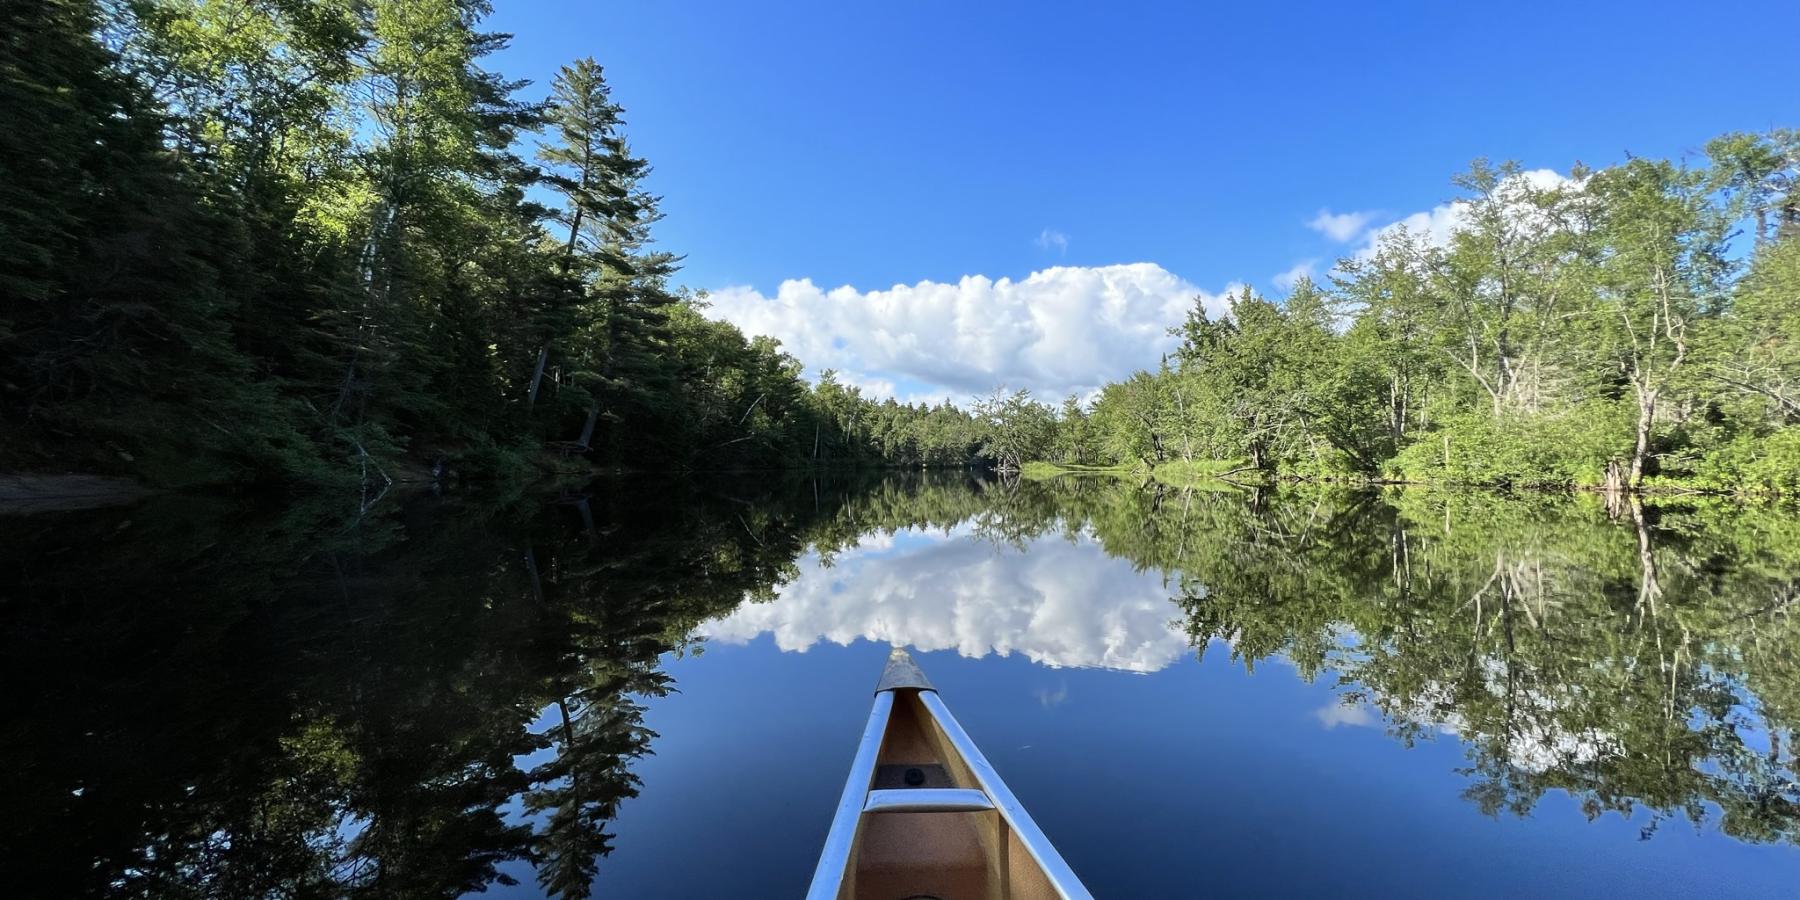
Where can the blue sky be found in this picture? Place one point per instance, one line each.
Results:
(875, 145)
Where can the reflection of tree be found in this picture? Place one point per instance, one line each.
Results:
(1642, 658)
(235, 706)
(1641, 663)
(599, 732)
(231, 705)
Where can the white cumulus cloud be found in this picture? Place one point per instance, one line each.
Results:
(1436, 225)
(1340, 227)
(1306, 268)
(1063, 330)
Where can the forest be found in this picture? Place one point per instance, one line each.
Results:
(1628, 327)
(259, 241)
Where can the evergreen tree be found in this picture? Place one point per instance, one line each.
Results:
(625, 369)
(119, 301)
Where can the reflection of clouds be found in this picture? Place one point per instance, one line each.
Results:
(1332, 715)
(1539, 743)
(1534, 739)
(876, 541)
(1532, 746)
(1058, 603)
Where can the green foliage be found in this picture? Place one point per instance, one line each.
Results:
(1074, 439)
(123, 278)
(1519, 450)
(1129, 421)
(1754, 464)
(1755, 352)
(1016, 428)
(256, 240)
(274, 241)
(1593, 330)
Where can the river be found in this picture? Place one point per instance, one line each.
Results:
(652, 689)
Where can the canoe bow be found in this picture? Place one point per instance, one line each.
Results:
(924, 814)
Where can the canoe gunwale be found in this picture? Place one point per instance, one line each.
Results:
(1062, 878)
(835, 859)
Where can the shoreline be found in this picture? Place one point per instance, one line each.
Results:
(1182, 474)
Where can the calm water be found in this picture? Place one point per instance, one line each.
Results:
(649, 690)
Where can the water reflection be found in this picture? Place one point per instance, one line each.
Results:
(208, 701)
(205, 700)
(1057, 602)
(1639, 662)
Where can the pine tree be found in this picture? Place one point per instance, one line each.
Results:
(117, 325)
(623, 367)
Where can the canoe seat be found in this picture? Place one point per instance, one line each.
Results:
(907, 800)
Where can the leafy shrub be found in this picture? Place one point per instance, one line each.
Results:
(1517, 450)
(1753, 464)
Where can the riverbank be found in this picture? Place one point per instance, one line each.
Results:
(1201, 472)
(1039, 470)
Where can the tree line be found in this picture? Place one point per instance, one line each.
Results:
(260, 240)
(1626, 327)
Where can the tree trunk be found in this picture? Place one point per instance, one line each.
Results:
(1616, 483)
(1187, 447)
(1396, 412)
(531, 568)
(568, 734)
(537, 375)
(1649, 581)
(1641, 450)
(587, 430)
(587, 520)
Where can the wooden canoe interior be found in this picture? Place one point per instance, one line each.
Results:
(934, 855)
